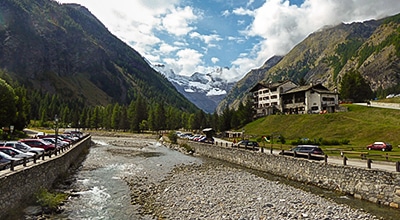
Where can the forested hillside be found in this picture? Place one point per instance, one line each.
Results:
(67, 63)
(65, 50)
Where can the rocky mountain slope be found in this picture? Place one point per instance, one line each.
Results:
(63, 49)
(372, 48)
(205, 90)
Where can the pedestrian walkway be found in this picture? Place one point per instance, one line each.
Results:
(375, 165)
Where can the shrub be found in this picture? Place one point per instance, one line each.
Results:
(50, 200)
(173, 137)
(187, 147)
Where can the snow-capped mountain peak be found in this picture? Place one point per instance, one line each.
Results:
(205, 90)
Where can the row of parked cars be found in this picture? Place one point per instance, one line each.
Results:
(27, 148)
(195, 137)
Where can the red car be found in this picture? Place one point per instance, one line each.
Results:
(38, 143)
(380, 146)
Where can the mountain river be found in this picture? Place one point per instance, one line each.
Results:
(100, 191)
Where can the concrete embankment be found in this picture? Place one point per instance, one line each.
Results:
(378, 186)
(19, 186)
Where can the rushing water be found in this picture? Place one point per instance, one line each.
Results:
(100, 191)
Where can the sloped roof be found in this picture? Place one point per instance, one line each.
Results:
(317, 88)
(259, 86)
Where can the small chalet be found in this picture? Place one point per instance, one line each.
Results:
(267, 98)
(309, 99)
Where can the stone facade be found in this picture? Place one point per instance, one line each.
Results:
(377, 186)
(19, 186)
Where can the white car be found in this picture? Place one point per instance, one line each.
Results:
(53, 141)
(15, 153)
(5, 158)
(23, 147)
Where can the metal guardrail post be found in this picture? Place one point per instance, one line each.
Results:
(326, 158)
(12, 165)
(309, 155)
(43, 155)
(34, 158)
(24, 161)
(397, 166)
(344, 160)
(369, 161)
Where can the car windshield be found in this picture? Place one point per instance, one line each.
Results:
(4, 155)
(22, 146)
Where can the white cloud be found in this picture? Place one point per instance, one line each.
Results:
(282, 26)
(276, 25)
(214, 60)
(167, 49)
(206, 38)
(179, 21)
(187, 62)
(225, 13)
(242, 11)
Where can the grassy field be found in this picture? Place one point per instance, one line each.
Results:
(361, 126)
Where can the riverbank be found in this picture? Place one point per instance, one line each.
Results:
(215, 191)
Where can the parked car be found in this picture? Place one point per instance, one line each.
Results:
(383, 146)
(313, 149)
(248, 144)
(23, 147)
(5, 158)
(15, 153)
(205, 139)
(38, 143)
(53, 141)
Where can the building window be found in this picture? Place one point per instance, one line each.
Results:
(274, 97)
(326, 99)
(314, 108)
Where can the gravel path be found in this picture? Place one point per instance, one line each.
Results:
(211, 191)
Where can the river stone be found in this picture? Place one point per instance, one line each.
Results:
(33, 210)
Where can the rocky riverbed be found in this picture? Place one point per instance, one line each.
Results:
(215, 191)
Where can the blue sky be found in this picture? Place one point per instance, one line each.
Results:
(224, 37)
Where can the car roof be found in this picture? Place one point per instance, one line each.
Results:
(307, 145)
(3, 147)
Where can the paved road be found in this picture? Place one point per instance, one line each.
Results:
(381, 105)
(377, 165)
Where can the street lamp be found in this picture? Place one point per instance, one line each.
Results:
(56, 129)
(11, 131)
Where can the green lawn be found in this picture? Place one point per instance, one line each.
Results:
(361, 125)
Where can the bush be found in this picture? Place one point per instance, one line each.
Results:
(50, 200)
(173, 137)
(187, 147)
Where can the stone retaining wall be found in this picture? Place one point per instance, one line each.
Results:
(20, 186)
(381, 187)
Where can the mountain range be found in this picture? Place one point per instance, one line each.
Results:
(371, 48)
(63, 49)
(205, 90)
